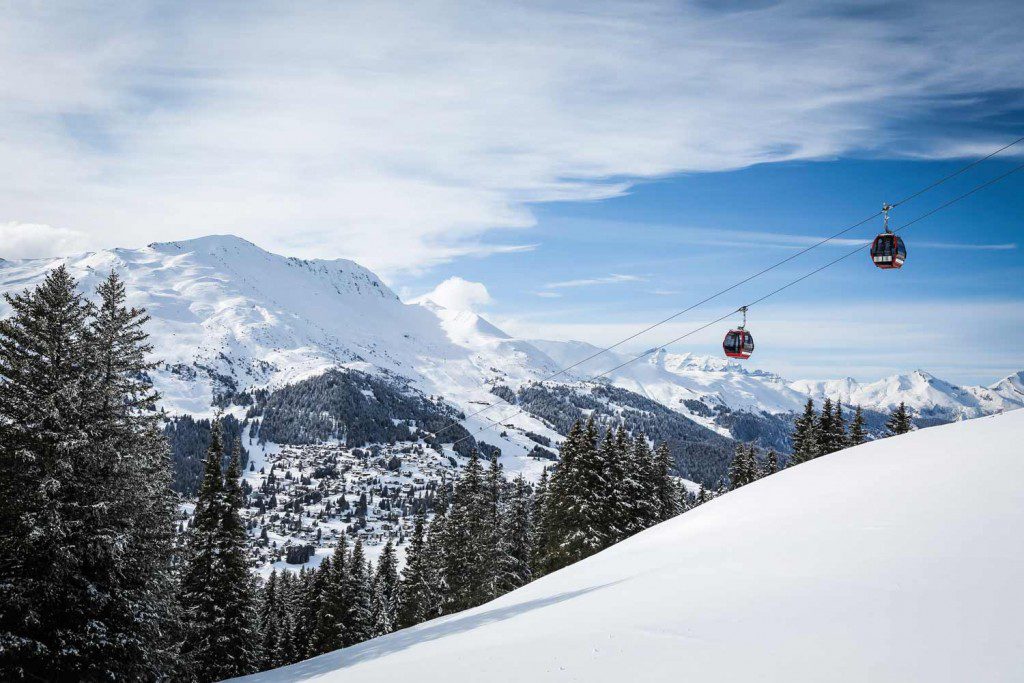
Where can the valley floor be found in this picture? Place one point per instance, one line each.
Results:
(897, 560)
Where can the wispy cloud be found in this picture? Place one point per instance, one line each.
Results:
(405, 135)
(548, 295)
(612, 279)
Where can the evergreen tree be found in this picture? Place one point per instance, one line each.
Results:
(831, 428)
(203, 614)
(771, 464)
(614, 504)
(329, 628)
(385, 592)
(466, 563)
(899, 421)
(646, 489)
(516, 539)
(826, 428)
(359, 617)
(417, 592)
(291, 597)
(577, 529)
(858, 434)
(668, 493)
(86, 531)
(743, 469)
(311, 610)
(490, 528)
(271, 619)
(239, 637)
(540, 546)
(840, 439)
(805, 436)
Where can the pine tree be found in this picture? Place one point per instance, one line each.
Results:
(645, 491)
(540, 546)
(574, 492)
(86, 531)
(516, 539)
(385, 592)
(831, 428)
(320, 628)
(490, 528)
(614, 505)
(840, 439)
(417, 592)
(203, 614)
(771, 464)
(858, 434)
(805, 436)
(239, 639)
(329, 627)
(132, 464)
(359, 617)
(825, 428)
(899, 421)
(466, 534)
(270, 623)
(668, 493)
(743, 469)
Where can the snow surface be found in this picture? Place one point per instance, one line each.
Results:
(898, 560)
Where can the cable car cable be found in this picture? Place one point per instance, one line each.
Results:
(759, 300)
(754, 276)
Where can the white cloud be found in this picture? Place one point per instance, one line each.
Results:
(612, 279)
(405, 135)
(458, 294)
(28, 240)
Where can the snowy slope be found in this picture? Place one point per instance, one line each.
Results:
(898, 560)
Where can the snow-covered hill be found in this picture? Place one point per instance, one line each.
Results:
(229, 316)
(898, 560)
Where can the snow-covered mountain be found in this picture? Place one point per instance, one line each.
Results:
(677, 379)
(929, 396)
(914, 576)
(228, 316)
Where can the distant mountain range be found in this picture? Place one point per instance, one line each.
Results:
(229, 317)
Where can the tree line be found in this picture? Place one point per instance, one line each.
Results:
(814, 434)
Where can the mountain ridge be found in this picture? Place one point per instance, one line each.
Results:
(229, 316)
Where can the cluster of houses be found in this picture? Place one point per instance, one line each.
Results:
(302, 498)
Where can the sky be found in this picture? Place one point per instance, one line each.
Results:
(570, 170)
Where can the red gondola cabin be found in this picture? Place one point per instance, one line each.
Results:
(888, 251)
(738, 344)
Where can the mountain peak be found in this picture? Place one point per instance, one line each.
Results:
(206, 243)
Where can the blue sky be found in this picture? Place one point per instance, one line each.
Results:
(603, 269)
(590, 166)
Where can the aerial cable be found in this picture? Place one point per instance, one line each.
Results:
(747, 279)
(742, 309)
